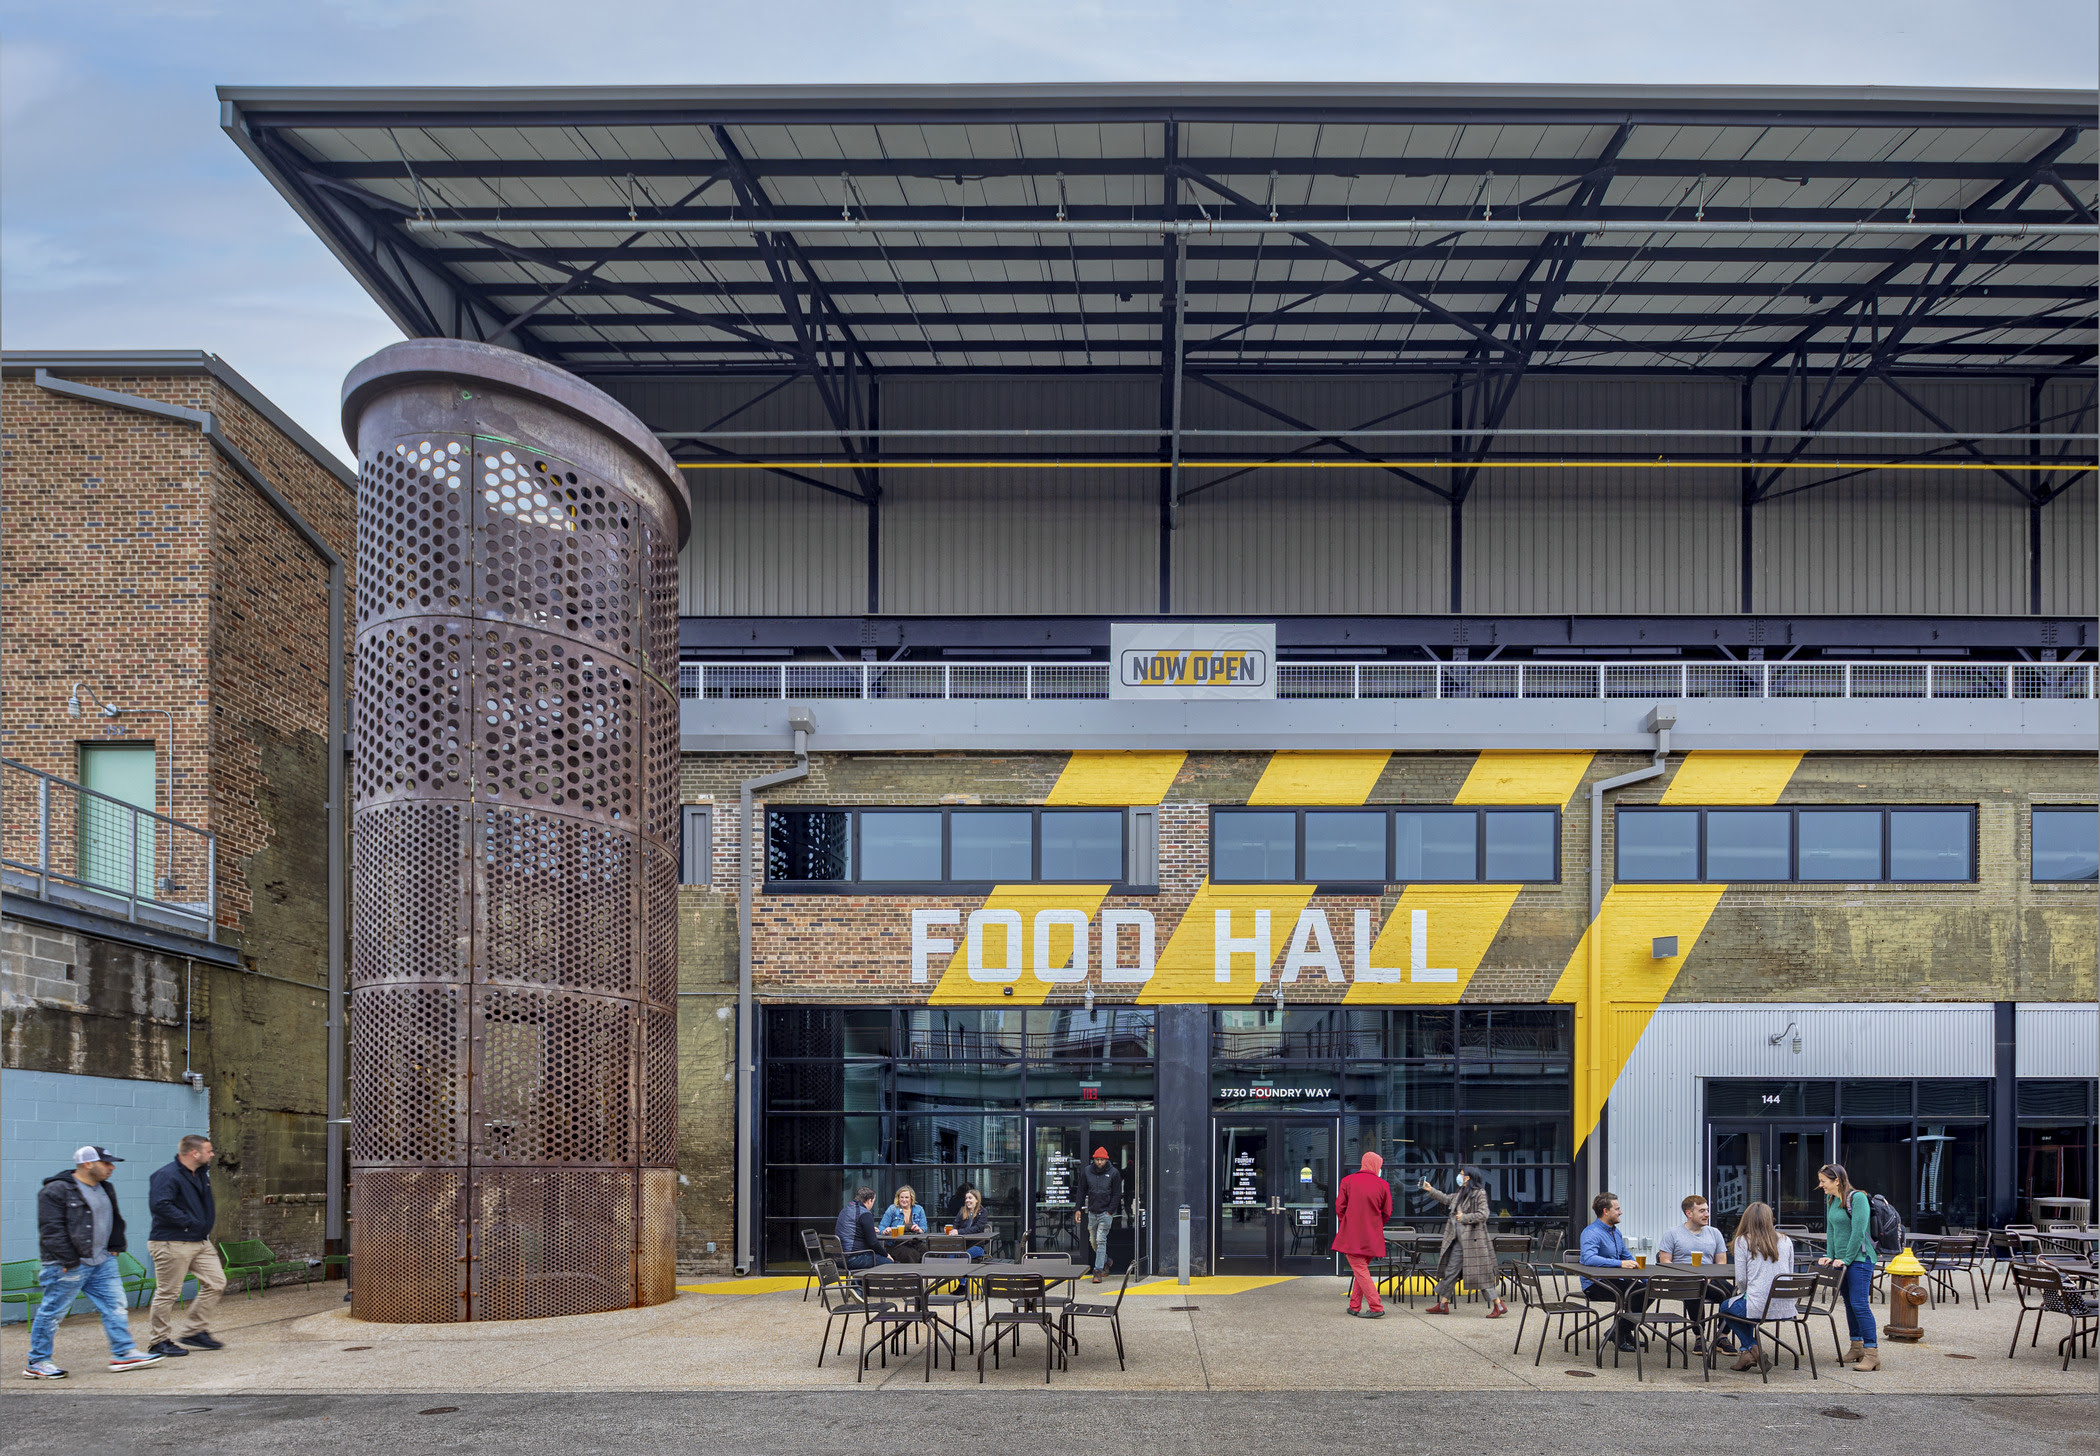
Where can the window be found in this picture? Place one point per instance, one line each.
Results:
(1920, 845)
(1384, 846)
(696, 845)
(936, 846)
(2067, 844)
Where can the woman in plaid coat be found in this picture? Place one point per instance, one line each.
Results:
(1467, 1251)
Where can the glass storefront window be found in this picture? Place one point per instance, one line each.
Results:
(1952, 1176)
(1658, 844)
(2053, 1160)
(957, 1138)
(900, 846)
(991, 845)
(1840, 844)
(1082, 844)
(1402, 1087)
(956, 1084)
(1519, 844)
(2066, 844)
(1518, 1140)
(1424, 1034)
(1069, 1034)
(808, 844)
(1929, 844)
(1748, 844)
(1877, 1158)
(1430, 846)
(1518, 1087)
(1255, 844)
(1345, 846)
(965, 1034)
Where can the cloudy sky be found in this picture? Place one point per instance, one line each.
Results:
(128, 220)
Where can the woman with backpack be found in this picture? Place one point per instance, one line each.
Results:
(1848, 1224)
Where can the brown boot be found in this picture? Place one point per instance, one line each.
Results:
(1752, 1360)
(1853, 1351)
(1869, 1360)
(1442, 1306)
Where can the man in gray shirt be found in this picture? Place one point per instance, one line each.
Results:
(80, 1230)
(1696, 1235)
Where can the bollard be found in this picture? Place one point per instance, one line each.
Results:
(1184, 1245)
(1905, 1297)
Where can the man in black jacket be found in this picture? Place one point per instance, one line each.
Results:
(1099, 1195)
(183, 1215)
(80, 1232)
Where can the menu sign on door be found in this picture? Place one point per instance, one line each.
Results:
(1057, 1180)
(1245, 1189)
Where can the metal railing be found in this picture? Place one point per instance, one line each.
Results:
(1050, 681)
(64, 842)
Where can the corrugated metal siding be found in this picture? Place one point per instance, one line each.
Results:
(1657, 1125)
(2071, 522)
(1896, 541)
(1606, 540)
(2056, 1041)
(1312, 540)
(762, 545)
(1071, 540)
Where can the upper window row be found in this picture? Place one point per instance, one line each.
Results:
(1384, 846)
(945, 846)
(2067, 844)
(1848, 845)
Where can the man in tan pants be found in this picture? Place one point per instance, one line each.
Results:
(180, 1242)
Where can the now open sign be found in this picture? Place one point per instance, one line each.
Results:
(1193, 660)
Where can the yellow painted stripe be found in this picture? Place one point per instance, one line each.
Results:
(1318, 778)
(1523, 778)
(771, 1284)
(1186, 970)
(1211, 1284)
(1116, 778)
(1463, 922)
(1731, 778)
(1030, 989)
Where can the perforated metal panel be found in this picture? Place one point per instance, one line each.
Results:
(514, 933)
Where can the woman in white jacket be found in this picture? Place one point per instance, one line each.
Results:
(1762, 1254)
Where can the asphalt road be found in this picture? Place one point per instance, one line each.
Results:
(854, 1423)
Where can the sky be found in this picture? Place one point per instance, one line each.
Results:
(128, 220)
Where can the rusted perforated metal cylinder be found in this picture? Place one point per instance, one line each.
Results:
(513, 1063)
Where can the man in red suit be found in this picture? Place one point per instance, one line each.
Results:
(1360, 1211)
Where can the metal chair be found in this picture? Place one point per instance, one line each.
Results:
(1952, 1256)
(1801, 1289)
(2042, 1291)
(1027, 1308)
(813, 1253)
(897, 1304)
(956, 1299)
(842, 1299)
(1830, 1279)
(1677, 1330)
(2007, 1240)
(1113, 1313)
(1401, 1264)
(1509, 1249)
(1531, 1292)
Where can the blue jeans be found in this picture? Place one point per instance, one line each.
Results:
(1855, 1286)
(1736, 1317)
(1097, 1227)
(102, 1283)
(866, 1259)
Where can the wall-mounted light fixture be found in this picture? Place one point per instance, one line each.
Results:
(1792, 1029)
(1665, 947)
(110, 712)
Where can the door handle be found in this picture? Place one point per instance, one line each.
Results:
(1275, 1205)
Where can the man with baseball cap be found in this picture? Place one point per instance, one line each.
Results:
(80, 1232)
(1099, 1196)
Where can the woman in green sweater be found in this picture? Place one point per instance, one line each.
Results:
(1847, 1243)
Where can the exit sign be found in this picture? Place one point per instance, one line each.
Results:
(1089, 1091)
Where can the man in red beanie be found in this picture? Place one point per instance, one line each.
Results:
(1360, 1211)
(1099, 1196)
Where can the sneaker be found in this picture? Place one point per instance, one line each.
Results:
(134, 1360)
(168, 1348)
(42, 1370)
(1374, 1314)
(204, 1340)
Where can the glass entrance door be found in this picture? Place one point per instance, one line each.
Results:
(1275, 1196)
(1061, 1153)
(1767, 1162)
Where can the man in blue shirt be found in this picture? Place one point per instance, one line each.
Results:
(1604, 1247)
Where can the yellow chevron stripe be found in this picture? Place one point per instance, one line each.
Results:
(1633, 982)
(1731, 778)
(1318, 778)
(1463, 922)
(1116, 778)
(1523, 778)
(1030, 989)
(1187, 966)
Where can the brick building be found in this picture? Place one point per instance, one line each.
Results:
(167, 879)
(1538, 437)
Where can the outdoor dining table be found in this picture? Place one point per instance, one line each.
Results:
(1719, 1273)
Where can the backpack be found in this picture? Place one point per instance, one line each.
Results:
(1884, 1225)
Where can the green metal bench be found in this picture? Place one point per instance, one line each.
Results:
(20, 1287)
(251, 1262)
(138, 1279)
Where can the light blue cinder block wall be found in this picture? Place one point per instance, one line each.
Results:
(44, 1116)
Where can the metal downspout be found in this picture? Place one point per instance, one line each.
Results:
(803, 725)
(1659, 723)
(338, 727)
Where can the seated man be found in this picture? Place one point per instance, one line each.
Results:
(856, 1230)
(1603, 1247)
(1697, 1235)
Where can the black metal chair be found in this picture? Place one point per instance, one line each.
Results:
(897, 1306)
(813, 1253)
(2042, 1291)
(1676, 1329)
(1952, 1256)
(1531, 1292)
(1027, 1308)
(1829, 1298)
(1801, 1289)
(2007, 1241)
(842, 1299)
(955, 1298)
(1509, 1249)
(1400, 1266)
(1113, 1313)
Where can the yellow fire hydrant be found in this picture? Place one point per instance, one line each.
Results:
(1905, 1296)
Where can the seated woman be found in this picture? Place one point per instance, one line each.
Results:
(1762, 1254)
(972, 1219)
(904, 1226)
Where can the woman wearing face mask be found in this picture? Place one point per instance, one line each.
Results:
(1467, 1252)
